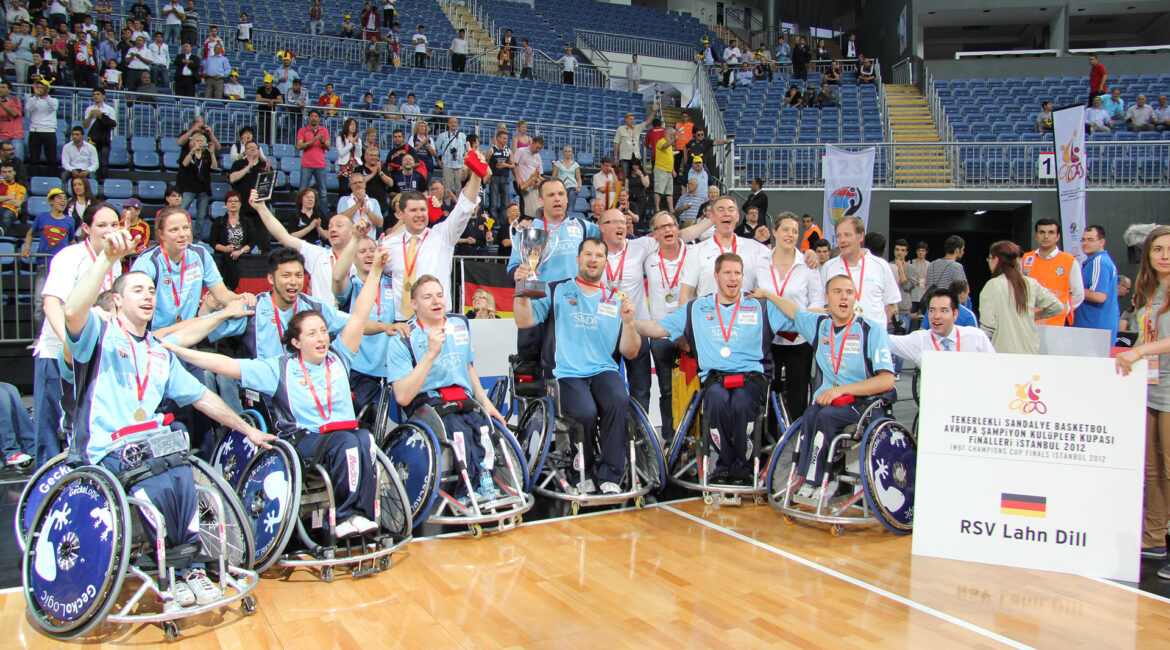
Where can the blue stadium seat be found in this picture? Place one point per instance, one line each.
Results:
(146, 160)
(119, 158)
(171, 160)
(117, 188)
(37, 205)
(40, 185)
(152, 191)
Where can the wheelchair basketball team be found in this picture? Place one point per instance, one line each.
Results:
(195, 497)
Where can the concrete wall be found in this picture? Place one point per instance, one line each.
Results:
(1053, 66)
(877, 32)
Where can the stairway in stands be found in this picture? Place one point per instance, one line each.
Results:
(477, 36)
(910, 121)
(723, 33)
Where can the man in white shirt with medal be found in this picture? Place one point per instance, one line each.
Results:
(698, 276)
(877, 288)
(663, 271)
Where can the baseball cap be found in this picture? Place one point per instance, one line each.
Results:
(132, 203)
(54, 192)
(439, 104)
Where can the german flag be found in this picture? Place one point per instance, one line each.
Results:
(491, 277)
(1023, 505)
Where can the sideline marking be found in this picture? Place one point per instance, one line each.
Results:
(1125, 587)
(853, 581)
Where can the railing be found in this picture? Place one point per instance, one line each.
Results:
(1119, 50)
(605, 42)
(1000, 53)
(946, 133)
(1141, 164)
(546, 68)
(903, 71)
(485, 20)
(714, 119)
(18, 322)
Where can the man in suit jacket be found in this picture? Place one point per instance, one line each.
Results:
(757, 198)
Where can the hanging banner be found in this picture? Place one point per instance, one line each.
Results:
(490, 278)
(848, 187)
(1068, 128)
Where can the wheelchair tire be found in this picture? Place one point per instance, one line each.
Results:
(78, 552)
(270, 493)
(648, 448)
(394, 514)
(240, 544)
(234, 451)
(498, 396)
(508, 445)
(783, 455)
(535, 437)
(684, 427)
(888, 471)
(384, 419)
(33, 495)
(413, 449)
(916, 386)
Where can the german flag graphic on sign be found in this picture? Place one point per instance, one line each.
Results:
(1024, 505)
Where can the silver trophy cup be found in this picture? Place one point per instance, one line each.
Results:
(532, 246)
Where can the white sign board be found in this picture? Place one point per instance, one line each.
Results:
(1074, 341)
(1031, 461)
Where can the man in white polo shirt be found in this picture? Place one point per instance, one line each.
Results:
(877, 288)
(698, 276)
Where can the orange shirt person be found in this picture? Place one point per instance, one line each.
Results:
(812, 233)
(330, 99)
(1056, 270)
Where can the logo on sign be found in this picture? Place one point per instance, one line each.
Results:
(1072, 165)
(1028, 398)
(844, 202)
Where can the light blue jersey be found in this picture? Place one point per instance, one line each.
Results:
(1099, 274)
(863, 349)
(262, 331)
(371, 356)
(300, 403)
(178, 287)
(449, 369)
(749, 331)
(108, 364)
(588, 325)
(563, 241)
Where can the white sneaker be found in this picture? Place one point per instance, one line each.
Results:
(609, 487)
(362, 524)
(182, 594)
(586, 487)
(829, 491)
(206, 591)
(806, 490)
(19, 458)
(346, 528)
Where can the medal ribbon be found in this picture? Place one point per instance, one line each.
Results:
(411, 263)
(844, 334)
(325, 415)
(621, 267)
(719, 311)
(276, 314)
(734, 244)
(861, 275)
(597, 286)
(139, 381)
(677, 272)
(182, 275)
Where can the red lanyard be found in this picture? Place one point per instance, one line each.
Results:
(139, 381)
(734, 243)
(861, 274)
(719, 310)
(381, 289)
(958, 341)
(621, 268)
(787, 276)
(276, 314)
(597, 286)
(109, 281)
(325, 415)
(678, 270)
(844, 335)
(544, 224)
(182, 274)
(412, 263)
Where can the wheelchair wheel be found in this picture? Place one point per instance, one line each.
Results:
(413, 449)
(270, 491)
(393, 512)
(916, 385)
(512, 460)
(783, 421)
(33, 495)
(498, 395)
(234, 451)
(384, 419)
(239, 544)
(647, 448)
(783, 456)
(889, 451)
(535, 437)
(78, 552)
(682, 433)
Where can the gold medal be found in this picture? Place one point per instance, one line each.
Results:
(858, 309)
(140, 415)
(669, 298)
(725, 352)
(621, 295)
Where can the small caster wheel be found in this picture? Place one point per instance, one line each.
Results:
(639, 502)
(760, 500)
(708, 498)
(476, 530)
(788, 519)
(384, 562)
(837, 530)
(248, 606)
(171, 629)
(327, 574)
(519, 519)
(576, 507)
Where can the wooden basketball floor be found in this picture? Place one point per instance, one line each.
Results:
(675, 575)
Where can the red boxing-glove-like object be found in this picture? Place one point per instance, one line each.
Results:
(475, 162)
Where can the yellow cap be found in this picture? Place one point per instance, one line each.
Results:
(439, 104)
(54, 192)
(696, 159)
(268, 78)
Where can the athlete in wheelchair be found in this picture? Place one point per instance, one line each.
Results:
(324, 473)
(461, 465)
(845, 461)
(586, 440)
(81, 541)
(731, 336)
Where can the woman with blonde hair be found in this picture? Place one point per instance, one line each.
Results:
(483, 305)
(1151, 305)
(1011, 303)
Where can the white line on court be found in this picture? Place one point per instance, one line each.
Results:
(11, 590)
(1122, 585)
(853, 581)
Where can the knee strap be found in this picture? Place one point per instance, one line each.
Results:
(151, 467)
(309, 463)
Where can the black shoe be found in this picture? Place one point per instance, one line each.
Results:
(720, 477)
(1164, 572)
(741, 476)
(1154, 553)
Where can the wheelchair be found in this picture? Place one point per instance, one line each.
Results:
(283, 493)
(433, 468)
(82, 544)
(692, 453)
(873, 464)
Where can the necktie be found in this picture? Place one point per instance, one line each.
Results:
(410, 263)
(947, 343)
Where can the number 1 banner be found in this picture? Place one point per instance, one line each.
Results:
(1072, 168)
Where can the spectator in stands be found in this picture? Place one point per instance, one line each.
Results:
(793, 97)
(1097, 118)
(500, 161)
(732, 53)
(750, 223)
(349, 152)
(295, 101)
(172, 197)
(407, 178)
(529, 168)
(527, 55)
(146, 89)
(231, 236)
(101, 120)
(452, 147)
(568, 171)
(17, 431)
(303, 222)
(111, 77)
(160, 60)
(605, 183)
(329, 99)
(507, 58)
(712, 194)
(783, 52)
(423, 145)
(1162, 114)
(699, 172)
(395, 41)
(684, 131)
(211, 43)
(242, 175)
(12, 119)
(596, 209)
(633, 74)
(12, 197)
(833, 74)
(822, 51)
(190, 25)
(1140, 116)
(388, 13)
(390, 108)
(173, 15)
(246, 134)
(483, 305)
(131, 220)
(568, 64)
(197, 161)
(233, 89)
(756, 197)
(701, 146)
(25, 43)
(313, 142)
(473, 240)
(8, 157)
(706, 53)
(664, 173)
(865, 71)
(801, 55)
(827, 98)
(244, 33)
(410, 107)
(1114, 105)
(421, 54)
(440, 202)
(286, 75)
(371, 23)
(83, 65)
(459, 52)
(376, 176)
(268, 97)
(744, 75)
(358, 205)
(53, 229)
(349, 29)
(1098, 77)
(187, 67)
(1044, 118)
(316, 18)
(216, 69)
(638, 185)
(41, 69)
(689, 202)
(627, 137)
(81, 196)
(58, 15)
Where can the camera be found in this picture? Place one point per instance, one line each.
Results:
(453, 150)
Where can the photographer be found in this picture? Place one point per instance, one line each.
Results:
(452, 147)
(196, 162)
